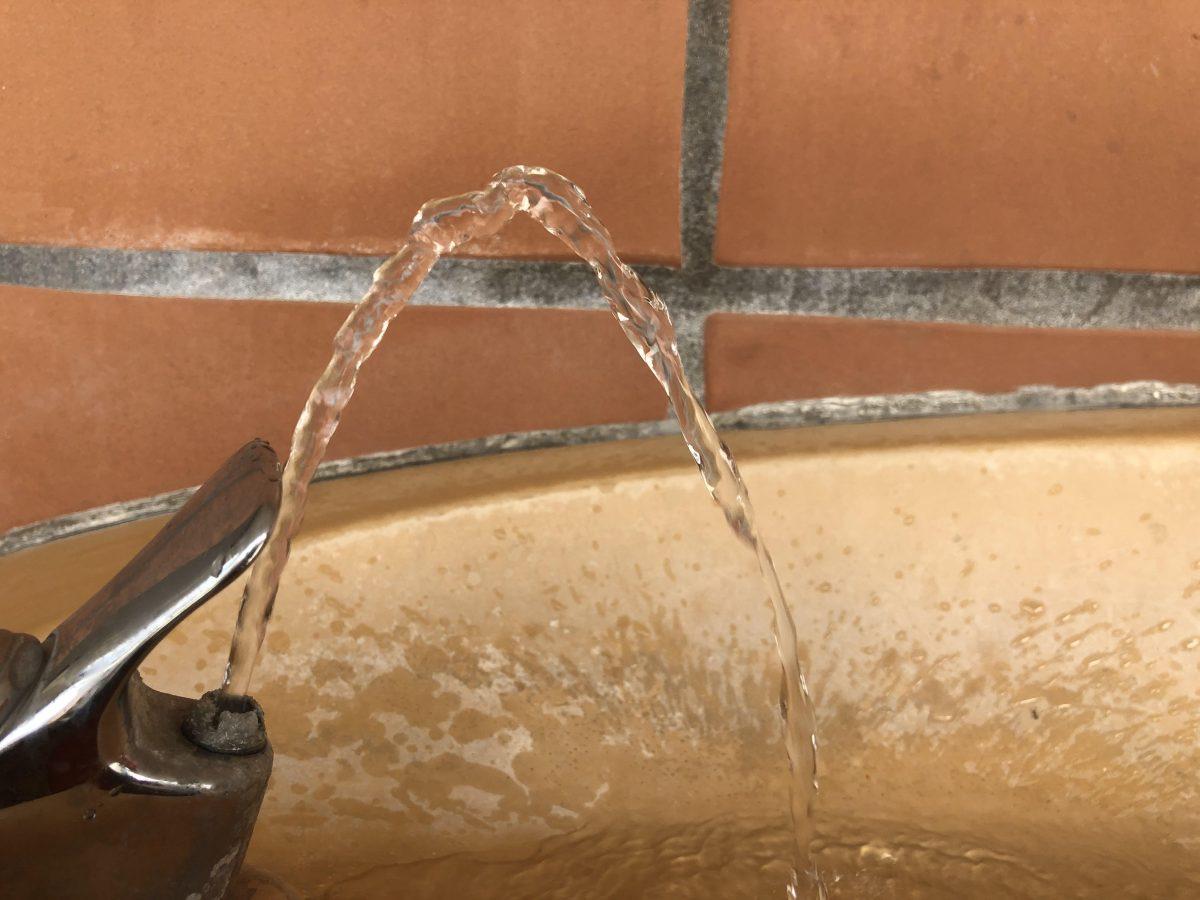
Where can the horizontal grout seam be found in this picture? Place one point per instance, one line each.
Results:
(1012, 297)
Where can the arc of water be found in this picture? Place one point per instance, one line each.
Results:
(440, 227)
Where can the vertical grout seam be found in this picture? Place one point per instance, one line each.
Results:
(702, 150)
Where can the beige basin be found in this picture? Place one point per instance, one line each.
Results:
(549, 674)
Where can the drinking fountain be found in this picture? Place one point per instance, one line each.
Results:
(109, 788)
(536, 667)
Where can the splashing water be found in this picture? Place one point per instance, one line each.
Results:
(440, 227)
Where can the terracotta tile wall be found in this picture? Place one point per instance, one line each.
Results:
(111, 398)
(756, 359)
(324, 125)
(962, 133)
(915, 133)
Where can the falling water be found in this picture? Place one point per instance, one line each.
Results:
(440, 227)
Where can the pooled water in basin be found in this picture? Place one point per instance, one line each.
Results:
(560, 207)
(744, 858)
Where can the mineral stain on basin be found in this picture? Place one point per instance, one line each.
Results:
(549, 674)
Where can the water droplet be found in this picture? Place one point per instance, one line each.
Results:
(1032, 608)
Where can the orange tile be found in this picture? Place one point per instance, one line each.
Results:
(109, 398)
(323, 125)
(960, 133)
(758, 358)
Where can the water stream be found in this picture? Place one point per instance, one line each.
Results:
(440, 227)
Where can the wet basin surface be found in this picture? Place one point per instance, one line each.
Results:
(549, 674)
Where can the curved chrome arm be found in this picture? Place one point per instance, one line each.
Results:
(49, 736)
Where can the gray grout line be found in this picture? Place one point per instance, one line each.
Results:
(702, 142)
(214, 274)
(996, 297)
(1013, 297)
(701, 157)
(518, 284)
(689, 338)
(187, 273)
(223, 275)
(1009, 297)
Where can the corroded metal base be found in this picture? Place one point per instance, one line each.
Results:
(162, 818)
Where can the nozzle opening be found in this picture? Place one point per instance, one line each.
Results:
(232, 725)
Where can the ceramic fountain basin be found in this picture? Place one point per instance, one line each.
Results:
(550, 673)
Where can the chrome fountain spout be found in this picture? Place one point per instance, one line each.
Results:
(102, 793)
